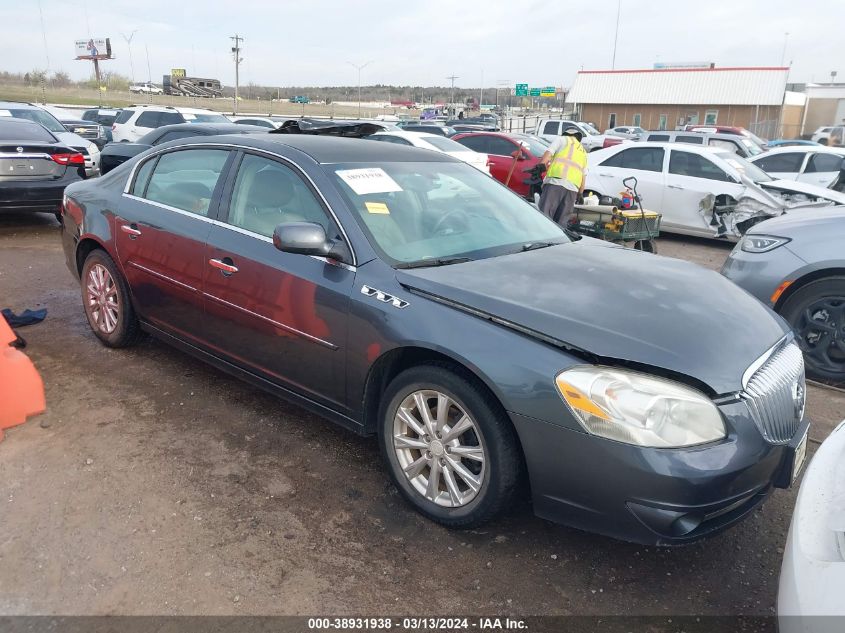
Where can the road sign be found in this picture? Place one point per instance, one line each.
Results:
(548, 91)
(521, 90)
(534, 92)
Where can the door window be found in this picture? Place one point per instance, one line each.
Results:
(142, 177)
(642, 158)
(170, 118)
(658, 137)
(148, 119)
(476, 143)
(695, 166)
(268, 193)
(186, 179)
(787, 163)
(173, 135)
(500, 146)
(692, 139)
(551, 127)
(123, 116)
(823, 163)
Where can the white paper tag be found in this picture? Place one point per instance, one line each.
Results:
(108, 112)
(5, 113)
(369, 180)
(189, 117)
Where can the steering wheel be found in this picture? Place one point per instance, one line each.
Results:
(458, 216)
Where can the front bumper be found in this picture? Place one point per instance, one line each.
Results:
(812, 578)
(647, 495)
(761, 273)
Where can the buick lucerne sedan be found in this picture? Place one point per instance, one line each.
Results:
(406, 295)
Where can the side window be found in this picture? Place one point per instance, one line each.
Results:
(658, 137)
(123, 116)
(268, 193)
(695, 166)
(690, 138)
(724, 144)
(551, 127)
(476, 143)
(642, 158)
(89, 115)
(169, 118)
(500, 146)
(823, 163)
(142, 177)
(186, 179)
(148, 119)
(173, 135)
(788, 163)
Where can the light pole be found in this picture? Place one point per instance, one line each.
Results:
(616, 36)
(236, 52)
(452, 92)
(129, 45)
(359, 67)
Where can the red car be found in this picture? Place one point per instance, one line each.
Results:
(508, 153)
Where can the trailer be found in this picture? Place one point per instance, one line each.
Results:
(192, 86)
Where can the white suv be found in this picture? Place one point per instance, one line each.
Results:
(135, 121)
(833, 136)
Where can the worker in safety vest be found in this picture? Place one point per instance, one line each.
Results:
(566, 172)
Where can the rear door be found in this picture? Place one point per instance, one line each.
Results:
(691, 181)
(161, 228)
(280, 315)
(783, 166)
(644, 163)
(821, 169)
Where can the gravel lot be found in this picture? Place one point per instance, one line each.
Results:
(157, 485)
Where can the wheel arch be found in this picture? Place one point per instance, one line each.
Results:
(84, 248)
(807, 278)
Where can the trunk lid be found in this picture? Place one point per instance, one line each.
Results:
(30, 161)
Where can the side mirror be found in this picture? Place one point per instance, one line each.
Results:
(309, 238)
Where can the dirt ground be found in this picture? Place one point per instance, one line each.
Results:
(157, 485)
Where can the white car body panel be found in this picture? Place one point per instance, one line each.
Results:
(690, 205)
(819, 178)
(812, 578)
(421, 140)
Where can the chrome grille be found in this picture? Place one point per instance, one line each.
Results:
(775, 393)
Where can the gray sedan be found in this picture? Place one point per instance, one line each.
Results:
(796, 264)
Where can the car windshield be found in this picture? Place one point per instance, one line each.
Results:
(589, 128)
(420, 212)
(751, 147)
(206, 118)
(445, 144)
(747, 169)
(39, 116)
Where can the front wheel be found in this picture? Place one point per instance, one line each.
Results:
(452, 455)
(816, 313)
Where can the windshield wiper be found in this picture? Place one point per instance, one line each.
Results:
(440, 261)
(533, 246)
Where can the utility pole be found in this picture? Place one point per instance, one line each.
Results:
(452, 93)
(149, 73)
(783, 54)
(236, 53)
(129, 45)
(359, 67)
(481, 93)
(616, 37)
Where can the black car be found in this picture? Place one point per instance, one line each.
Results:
(115, 154)
(104, 117)
(35, 167)
(405, 294)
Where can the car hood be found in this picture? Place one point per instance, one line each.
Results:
(796, 186)
(616, 304)
(809, 221)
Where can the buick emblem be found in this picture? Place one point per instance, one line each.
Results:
(20, 150)
(799, 399)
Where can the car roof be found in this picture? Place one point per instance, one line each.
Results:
(408, 134)
(684, 147)
(802, 149)
(18, 105)
(328, 150)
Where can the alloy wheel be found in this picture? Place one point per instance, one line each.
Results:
(439, 448)
(821, 333)
(102, 299)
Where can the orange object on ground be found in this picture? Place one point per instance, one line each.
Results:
(21, 387)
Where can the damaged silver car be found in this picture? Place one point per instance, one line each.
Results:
(701, 191)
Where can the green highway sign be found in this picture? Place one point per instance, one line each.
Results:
(521, 90)
(534, 92)
(548, 91)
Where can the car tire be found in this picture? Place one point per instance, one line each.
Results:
(816, 313)
(105, 299)
(466, 492)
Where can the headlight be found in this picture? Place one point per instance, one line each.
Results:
(639, 409)
(762, 243)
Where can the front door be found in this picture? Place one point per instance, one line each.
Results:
(161, 228)
(643, 163)
(821, 169)
(280, 315)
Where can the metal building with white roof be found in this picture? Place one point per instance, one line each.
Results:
(669, 98)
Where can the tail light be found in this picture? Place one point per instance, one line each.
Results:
(74, 158)
(610, 142)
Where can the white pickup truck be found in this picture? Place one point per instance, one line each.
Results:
(550, 129)
(146, 88)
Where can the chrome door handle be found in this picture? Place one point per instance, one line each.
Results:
(674, 187)
(224, 267)
(131, 230)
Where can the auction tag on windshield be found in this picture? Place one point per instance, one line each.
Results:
(5, 113)
(369, 180)
(189, 117)
(377, 207)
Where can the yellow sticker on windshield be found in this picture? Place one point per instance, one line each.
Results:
(377, 207)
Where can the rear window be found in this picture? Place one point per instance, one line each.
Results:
(123, 116)
(20, 131)
(658, 137)
(695, 140)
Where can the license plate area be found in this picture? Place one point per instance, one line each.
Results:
(799, 456)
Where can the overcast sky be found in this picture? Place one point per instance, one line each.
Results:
(412, 42)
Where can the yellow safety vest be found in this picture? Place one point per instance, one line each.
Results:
(569, 163)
